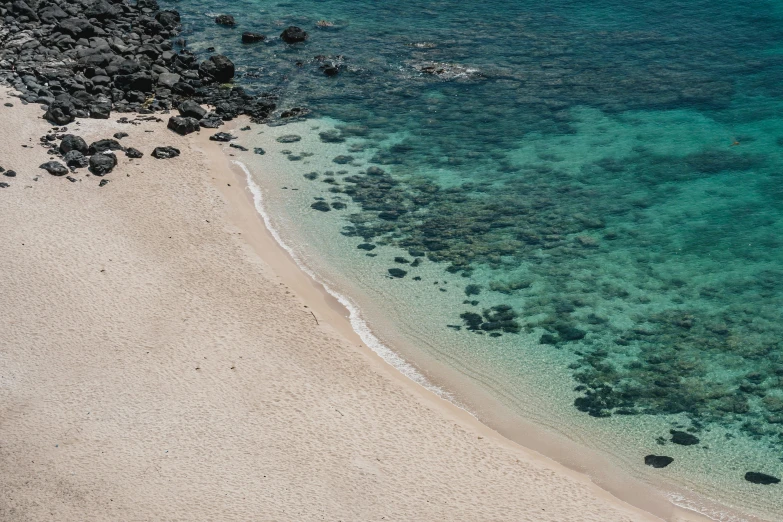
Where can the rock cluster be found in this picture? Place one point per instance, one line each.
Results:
(88, 58)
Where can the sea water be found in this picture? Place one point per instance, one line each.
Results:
(576, 205)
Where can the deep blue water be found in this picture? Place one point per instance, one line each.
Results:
(605, 176)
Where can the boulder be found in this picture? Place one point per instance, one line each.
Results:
(191, 109)
(211, 122)
(71, 142)
(103, 146)
(217, 68)
(133, 153)
(102, 163)
(168, 80)
(182, 125)
(226, 20)
(397, 272)
(62, 111)
(165, 152)
(248, 37)
(293, 34)
(75, 159)
(55, 168)
(323, 206)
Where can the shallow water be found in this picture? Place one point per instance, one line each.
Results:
(589, 194)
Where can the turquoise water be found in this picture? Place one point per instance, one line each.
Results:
(590, 192)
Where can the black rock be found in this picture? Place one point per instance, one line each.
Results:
(684, 438)
(397, 272)
(293, 34)
(100, 111)
(103, 146)
(222, 136)
(182, 125)
(103, 182)
(259, 151)
(165, 152)
(226, 20)
(102, 163)
(120, 135)
(761, 478)
(55, 168)
(71, 142)
(248, 37)
(4, 185)
(323, 206)
(218, 68)
(71, 179)
(289, 138)
(133, 153)
(238, 147)
(62, 111)
(191, 109)
(77, 27)
(658, 461)
(10, 173)
(211, 122)
(75, 159)
(366, 246)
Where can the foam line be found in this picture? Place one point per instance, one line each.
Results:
(358, 324)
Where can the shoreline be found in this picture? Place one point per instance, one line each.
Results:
(145, 334)
(567, 455)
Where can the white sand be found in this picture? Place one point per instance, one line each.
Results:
(158, 361)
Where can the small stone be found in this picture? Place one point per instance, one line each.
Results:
(120, 135)
(225, 20)
(398, 273)
(133, 153)
(222, 136)
(71, 179)
(10, 173)
(103, 182)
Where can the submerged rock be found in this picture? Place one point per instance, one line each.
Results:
(293, 34)
(761, 478)
(684, 438)
(248, 37)
(289, 138)
(323, 206)
(658, 461)
(225, 20)
(397, 272)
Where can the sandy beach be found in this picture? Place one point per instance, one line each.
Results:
(162, 359)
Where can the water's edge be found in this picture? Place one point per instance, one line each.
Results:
(683, 505)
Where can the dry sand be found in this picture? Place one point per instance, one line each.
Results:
(158, 361)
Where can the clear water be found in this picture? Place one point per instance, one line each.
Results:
(590, 194)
